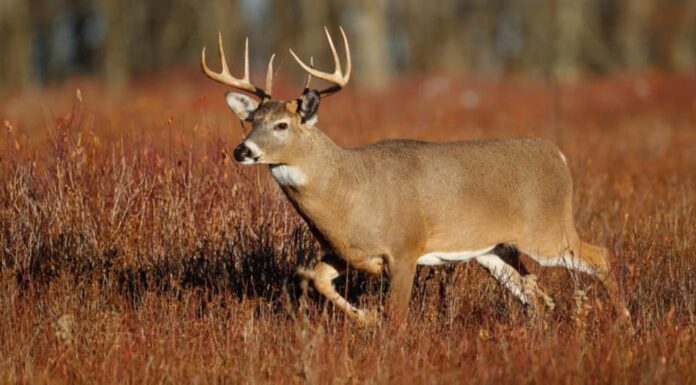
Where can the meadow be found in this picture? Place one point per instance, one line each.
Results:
(134, 250)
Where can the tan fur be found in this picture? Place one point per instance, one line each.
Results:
(291, 106)
(388, 203)
(393, 202)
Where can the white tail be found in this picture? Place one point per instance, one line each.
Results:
(400, 203)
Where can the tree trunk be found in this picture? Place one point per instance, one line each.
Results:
(15, 26)
(570, 24)
(372, 51)
(123, 20)
(633, 33)
(683, 47)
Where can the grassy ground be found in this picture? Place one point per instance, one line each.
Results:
(132, 249)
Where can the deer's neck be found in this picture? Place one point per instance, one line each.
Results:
(316, 183)
(313, 172)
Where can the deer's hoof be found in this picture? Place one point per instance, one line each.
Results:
(366, 318)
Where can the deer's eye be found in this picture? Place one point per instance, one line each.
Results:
(280, 126)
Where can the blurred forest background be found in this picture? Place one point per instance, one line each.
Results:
(45, 41)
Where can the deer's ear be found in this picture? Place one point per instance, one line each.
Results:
(242, 105)
(307, 107)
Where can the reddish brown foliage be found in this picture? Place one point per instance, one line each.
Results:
(133, 249)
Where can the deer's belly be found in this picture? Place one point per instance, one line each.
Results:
(442, 258)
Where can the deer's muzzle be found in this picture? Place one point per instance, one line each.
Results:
(242, 153)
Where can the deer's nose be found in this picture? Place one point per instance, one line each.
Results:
(242, 152)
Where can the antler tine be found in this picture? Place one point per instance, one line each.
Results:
(226, 78)
(221, 52)
(269, 76)
(246, 61)
(309, 76)
(337, 70)
(338, 78)
(347, 48)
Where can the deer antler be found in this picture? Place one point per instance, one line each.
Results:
(309, 76)
(243, 84)
(338, 78)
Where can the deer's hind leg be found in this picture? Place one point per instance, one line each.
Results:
(504, 264)
(578, 256)
(568, 251)
(506, 275)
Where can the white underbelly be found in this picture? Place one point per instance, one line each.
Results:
(442, 258)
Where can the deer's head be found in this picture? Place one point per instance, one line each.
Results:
(281, 129)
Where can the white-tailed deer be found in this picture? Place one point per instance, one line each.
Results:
(399, 203)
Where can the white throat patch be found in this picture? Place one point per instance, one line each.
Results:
(288, 175)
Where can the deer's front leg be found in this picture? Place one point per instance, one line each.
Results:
(322, 276)
(402, 275)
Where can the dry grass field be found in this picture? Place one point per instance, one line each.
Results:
(134, 250)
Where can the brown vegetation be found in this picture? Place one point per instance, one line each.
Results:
(132, 249)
